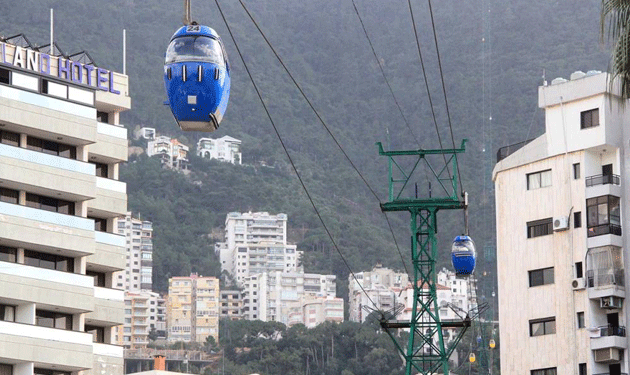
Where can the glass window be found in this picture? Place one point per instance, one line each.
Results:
(603, 215)
(7, 254)
(545, 371)
(539, 228)
(541, 277)
(98, 333)
(576, 171)
(48, 261)
(4, 76)
(195, 48)
(580, 319)
(582, 369)
(52, 319)
(9, 138)
(539, 327)
(589, 119)
(577, 219)
(7, 313)
(9, 196)
(51, 148)
(539, 180)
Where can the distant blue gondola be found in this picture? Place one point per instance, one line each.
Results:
(197, 78)
(463, 255)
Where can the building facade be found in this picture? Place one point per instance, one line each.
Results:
(561, 251)
(313, 311)
(193, 308)
(138, 275)
(172, 153)
(61, 144)
(381, 284)
(256, 243)
(226, 149)
(231, 305)
(269, 296)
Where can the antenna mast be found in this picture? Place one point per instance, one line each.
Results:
(187, 13)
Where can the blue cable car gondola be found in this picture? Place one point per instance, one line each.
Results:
(463, 255)
(197, 78)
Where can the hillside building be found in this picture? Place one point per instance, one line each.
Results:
(138, 275)
(61, 144)
(270, 296)
(382, 286)
(313, 311)
(172, 153)
(144, 311)
(561, 235)
(193, 308)
(231, 305)
(225, 149)
(256, 243)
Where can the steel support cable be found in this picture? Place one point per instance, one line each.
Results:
(378, 62)
(426, 81)
(448, 113)
(286, 151)
(321, 120)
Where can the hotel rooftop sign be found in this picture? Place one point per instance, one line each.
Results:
(58, 67)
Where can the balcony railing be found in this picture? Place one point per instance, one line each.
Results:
(604, 229)
(610, 330)
(603, 179)
(117, 131)
(607, 277)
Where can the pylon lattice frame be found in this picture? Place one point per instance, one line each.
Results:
(425, 352)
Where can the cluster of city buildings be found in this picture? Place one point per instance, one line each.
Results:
(174, 154)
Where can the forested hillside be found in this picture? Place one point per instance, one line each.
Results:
(493, 55)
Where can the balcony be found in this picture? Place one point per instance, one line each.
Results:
(51, 174)
(31, 343)
(39, 229)
(110, 252)
(108, 307)
(606, 337)
(603, 179)
(111, 198)
(49, 115)
(108, 359)
(46, 287)
(605, 283)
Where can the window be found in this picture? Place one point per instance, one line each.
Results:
(52, 319)
(603, 216)
(100, 225)
(545, 371)
(539, 228)
(102, 117)
(589, 119)
(98, 333)
(7, 313)
(49, 204)
(49, 261)
(43, 371)
(578, 270)
(582, 369)
(9, 138)
(580, 319)
(4, 76)
(539, 327)
(576, 171)
(577, 219)
(99, 277)
(101, 170)
(539, 180)
(542, 276)
(51, 148)
(7, 254)
(9, 196)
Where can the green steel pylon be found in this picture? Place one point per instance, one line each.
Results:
(425, 352)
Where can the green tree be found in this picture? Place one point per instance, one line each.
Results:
(616, 14)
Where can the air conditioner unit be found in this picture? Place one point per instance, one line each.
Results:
(578, 283)
(611, 302)
(607, 355)
(560, 223)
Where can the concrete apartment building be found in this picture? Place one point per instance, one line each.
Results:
(144, 311)
(172, 153)
(193, 308)
(269, 296)
(225, 149)
(60, 149)
(381, 284)
(231, 305)
(313, 311)
(138, 274)
(561, 248)
(256, 242)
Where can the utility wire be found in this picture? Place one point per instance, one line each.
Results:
(286, 151)
(426, 81)
(448, 113)
(321, 120)
(378, 62)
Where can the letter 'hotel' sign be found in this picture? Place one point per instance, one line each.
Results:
(72, 71)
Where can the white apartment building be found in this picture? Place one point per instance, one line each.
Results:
(269, 296)
(226, 149)
(172, 153)
(313, 311)
(138, 275)
(61, 144)
(256, 243)
(381, 284)
(144, 311)
(561, 252)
